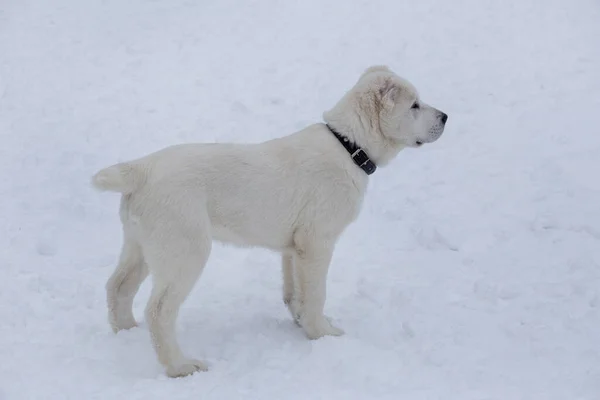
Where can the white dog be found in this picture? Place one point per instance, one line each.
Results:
(294, 195)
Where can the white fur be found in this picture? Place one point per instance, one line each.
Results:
(294, 195)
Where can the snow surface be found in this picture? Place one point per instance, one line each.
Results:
(472, 273)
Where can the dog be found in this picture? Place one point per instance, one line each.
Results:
(294, 195)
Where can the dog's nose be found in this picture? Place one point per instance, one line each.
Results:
(444, 117)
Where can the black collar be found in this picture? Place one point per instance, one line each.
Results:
(359, 156)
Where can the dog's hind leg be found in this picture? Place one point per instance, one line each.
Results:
(123, 285)
(176, 262)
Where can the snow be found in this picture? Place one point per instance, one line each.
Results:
(472, 273)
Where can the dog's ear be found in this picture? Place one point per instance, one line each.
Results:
(377, 68)
(374, 68)
(388, 93)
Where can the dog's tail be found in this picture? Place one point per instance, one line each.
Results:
(123, 178)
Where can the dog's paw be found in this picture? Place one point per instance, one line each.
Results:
(121, 324)
(185, 368)
(294, 307)
(319, 328)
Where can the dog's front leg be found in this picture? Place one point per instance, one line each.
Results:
(311, 265)
(289, 286)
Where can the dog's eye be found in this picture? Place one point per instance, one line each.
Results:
(415, 106)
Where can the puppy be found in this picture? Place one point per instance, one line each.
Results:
(294, 195)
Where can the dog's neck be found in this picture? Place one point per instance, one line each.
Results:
(358, 155)
(369, 138)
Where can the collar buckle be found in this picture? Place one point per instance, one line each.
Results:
(358, 155)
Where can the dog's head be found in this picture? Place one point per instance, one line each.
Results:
(383, 113)
(403, 116)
